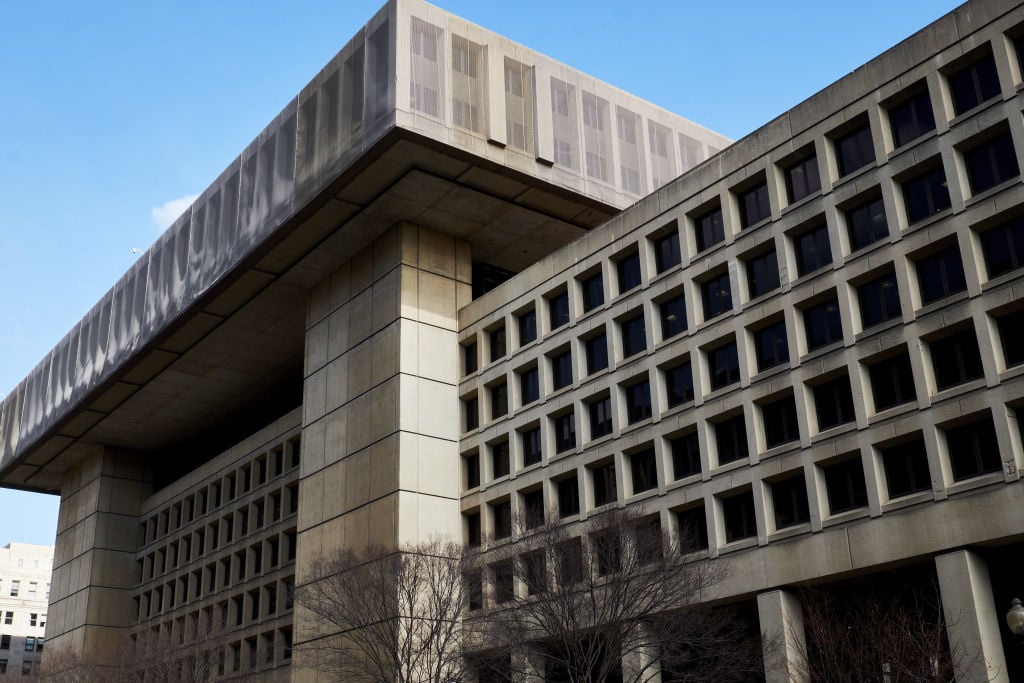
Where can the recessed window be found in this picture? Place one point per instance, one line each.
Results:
(991, 163)
(693, 529)
(906, 468)
(568, 497)
(504, 582)
(1010, 325)
(822, 324)
(473, 535)
(529, 385)
(762, 274)
(912, 118)
(854, 150)
(600, 417)
(500, 459)
(716, 295)
(754, 206)
(596, 348)
(739, 517)
(533, 506)
(499, 400)
(593, 292)
(892, 381)
(723, 365)
(956, 359)
(634, 336)
(638, 401)
(780, 423)
(973, 449)
(973, 84)
(497, 338)
(709, 229)
(471, 412)
(679, 384)
(666, 250)
(628, 270)
(530, 439)
(673, 316)
(561, 370)
(789, 498)
(685, 455)
(771, 345)
(1003, 247)
(644, 470)
(558, 310)
(813, 249)
(879, 300)
(469, 359)
(802, 179)
(926, 194)
(565, 432)
(527, 327)
(844, 484)
(731, 439)
(866, 224)
(603, 477)
(940, 274)
(501, 514)
(833, 403)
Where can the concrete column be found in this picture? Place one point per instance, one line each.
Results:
(972, 622)
(782, 632)
(91, 606)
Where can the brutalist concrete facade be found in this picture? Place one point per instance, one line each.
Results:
(804, 342)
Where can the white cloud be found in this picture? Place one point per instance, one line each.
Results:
(166, 214)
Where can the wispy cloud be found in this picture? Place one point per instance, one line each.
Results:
(166, 214)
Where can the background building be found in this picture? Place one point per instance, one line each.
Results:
(24, 596)
(416, 300)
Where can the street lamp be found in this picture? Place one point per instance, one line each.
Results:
(1015, 617)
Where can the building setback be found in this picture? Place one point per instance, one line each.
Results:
(24, 595)
(419, 297)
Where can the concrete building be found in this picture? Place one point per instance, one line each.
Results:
(24, 597)
(419, 297)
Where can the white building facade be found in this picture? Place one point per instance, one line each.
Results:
(24, 590)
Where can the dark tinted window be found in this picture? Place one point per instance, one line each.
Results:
(1003, 247)
(527, 327)
(906, 468)
(973, 84)
(568, 497)
(813, 250)
(685, 455)
(823, 324)
(565, 432)
(645, 472)
(558, 308)
(780, 423)
(892, 382)
(634, 336)
(473, 529)
(529, 385)
(1010, 325)
(561, 370)
(854, 150)
(600, 417)
(593, 292)
(771, 346)
(499, 400)
(531, 446)
(709, 229)
(679, 384)
(833, 402)
(789, 498)
(604, 484)
(469, 358)
(926, 194)
(716, 295)
(740, 521)
(911, 118)
(502, 513)
(802, 179)
(973, 449)
(497, 338)
(941, 274)
(956, 359)
(472, 463)
(991, 163)
(762, 274)
(666, 251)
(731, 439)
(470, 408)
(693, 529)
(844, 483)
(533, 505)
(754, 206)
(638, 401)
(723, 365)
(879, 300)
(499, 459)
(673, 316)
(628, 269)
(597, 353)
(865, 224)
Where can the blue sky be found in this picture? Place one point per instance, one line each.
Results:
(113, 113)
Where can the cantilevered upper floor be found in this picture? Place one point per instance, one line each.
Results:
(423, 117)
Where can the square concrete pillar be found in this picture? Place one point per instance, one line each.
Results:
(972, 622)
(782, 635)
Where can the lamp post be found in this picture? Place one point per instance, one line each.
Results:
(1015, 618)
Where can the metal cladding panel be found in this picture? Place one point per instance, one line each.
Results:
(519, 106)
(13, 404)
(168, 272)
(94, 332)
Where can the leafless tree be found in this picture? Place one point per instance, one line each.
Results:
(385, 615)
(622, 589)
(877, 633)
(157, 658)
